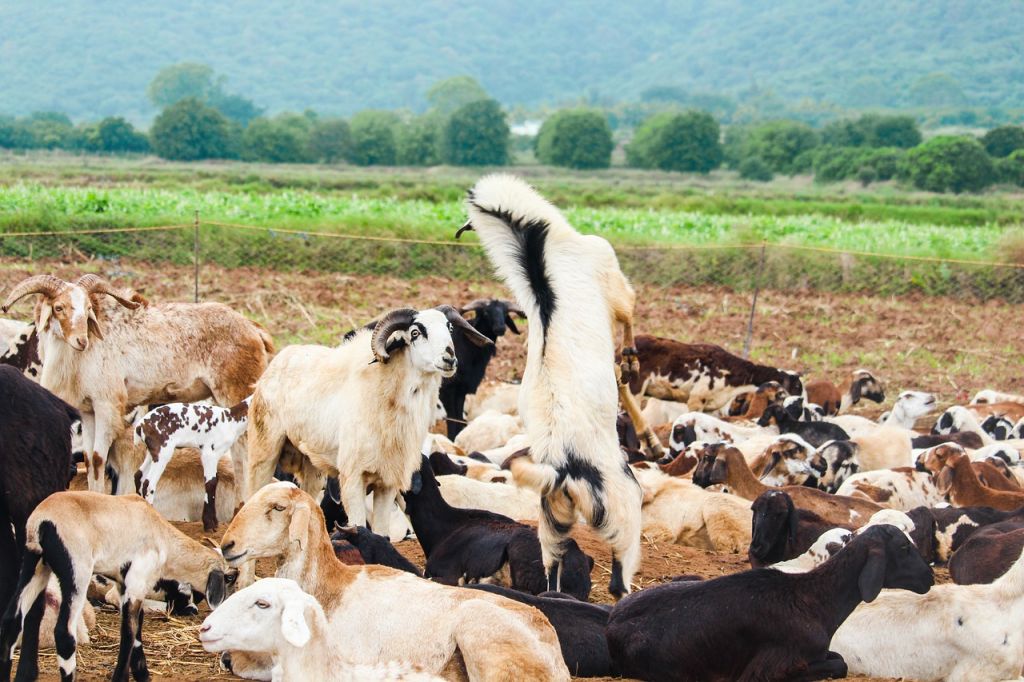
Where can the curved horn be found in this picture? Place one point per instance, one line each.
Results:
(391, 322)
(97, 285)
(47, 285)
(474, 305)
(514, 308)
(457, 320)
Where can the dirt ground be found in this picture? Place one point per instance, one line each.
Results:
(950, 347)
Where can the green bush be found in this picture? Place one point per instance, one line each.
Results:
(754, 168)
(279, 140)
(476, 135)
(189, 130)
(14, 134)
(832, 164)
(949, 164)
(330, 140)
(418, 142)
(578, 138)
(687, 142)
(866, 175)
(1002, 141)
(114, 134)
(373, 138)
(1011, 169)
(873, 130)
(780, 144)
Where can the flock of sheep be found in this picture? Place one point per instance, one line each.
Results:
(841, 517)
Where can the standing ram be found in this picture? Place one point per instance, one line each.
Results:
(359, 411)
(575, 296)
(106, 350)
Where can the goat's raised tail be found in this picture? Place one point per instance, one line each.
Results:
(516, 225)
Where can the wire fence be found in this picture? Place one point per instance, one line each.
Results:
(186, 256)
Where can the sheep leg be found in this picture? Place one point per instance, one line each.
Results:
(353, 493)
(31, 585)
(831, 667)
(137, 581)
(105, 415)
(552, 529)
(654, 446)
(383, 501)
(137, 660)
(157, 464)
(209, 457)
(73, 591)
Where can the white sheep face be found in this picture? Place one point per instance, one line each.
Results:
(261, 618)
(430, 343)
(915, 404)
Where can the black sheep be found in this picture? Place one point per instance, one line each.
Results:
(780, 531)
(760, 624)
(950, 527)
(492, 317)
(35, 433)
(472, 544)
(580, 627)
(372, 548)
(815, 433)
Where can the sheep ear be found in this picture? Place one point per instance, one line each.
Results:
(216, 588)
(333, 488)
(794, 523)
(944, 481)
(510, 323)
(298, 528)
(855, 390)
(718, 472)
(872, 575)
(43, 322)
(94, 324)
(771, 465)
(293, 623)
(416, 485)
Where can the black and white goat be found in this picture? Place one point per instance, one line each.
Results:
(575, 295)
(491, 318)
(211, 429)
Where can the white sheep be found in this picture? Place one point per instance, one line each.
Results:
(103, 357)
(124, 539)
(575, 296)
(500, 396)
(359, 411)
(957, 633)
(211, 429)
(275, 617)
(902, 489)
(515, 502)
(833, 540)
(989, 396)
(490, 430)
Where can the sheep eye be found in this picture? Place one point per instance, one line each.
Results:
(414, 334)
(450, 327)
(261, 604)
(278, 507)
(58, 308)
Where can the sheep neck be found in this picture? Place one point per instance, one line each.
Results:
(432, 518)
(314, 566)
(839, 578)
(967, 489)
(741, 479)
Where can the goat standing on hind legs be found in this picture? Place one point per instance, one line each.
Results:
(575, 295)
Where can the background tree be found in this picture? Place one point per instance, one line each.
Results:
(754, 168)
(780, 144)
(279, 140)
(687, 142)
(937, 90)
(1003, 141)
(476, 135)
(330, 140)
(189, 130)
(180, 81)
(949, 164)
(114, 134)
(1011, 169)
(235, 107)
(418, 142)
(373, 138)
(578, 138)
(452, 93)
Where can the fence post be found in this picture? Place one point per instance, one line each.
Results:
(753, 305)
(195, 253)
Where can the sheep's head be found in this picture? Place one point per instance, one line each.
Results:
(71, 305)
(275, 521)
(934, 459)
(835, 461)
(426, 335)
(712, 466)
(863, 384)
(773, 524)
(788, 462)
(892, 561)
(791, 382)
(493, 316)
(263, 617)
(914, 404)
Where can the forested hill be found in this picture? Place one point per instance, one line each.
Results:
(92, 59)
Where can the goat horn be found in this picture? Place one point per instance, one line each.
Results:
(457, 320)
(391, 322)
(48, 285)
(474, 305)
(514, 308)
(97, 285)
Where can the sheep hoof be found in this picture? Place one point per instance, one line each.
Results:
(225, 661)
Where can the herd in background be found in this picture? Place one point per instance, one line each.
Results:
(840, 516)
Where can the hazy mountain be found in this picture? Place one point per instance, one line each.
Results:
(96, 58)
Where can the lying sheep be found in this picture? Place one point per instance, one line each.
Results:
(831, 541)
(959, 633)
(125, 540)
(211, 429)
(489, 430)
(275, 617)
(382, 614)
(521, 504)
(902, 488)
(752, 625)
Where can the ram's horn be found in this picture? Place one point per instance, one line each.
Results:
(97, 285)
(393, 321)
(48, 285)
(469, 330)
(473, 306)
(513, 308)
